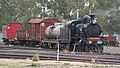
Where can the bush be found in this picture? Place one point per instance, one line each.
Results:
(66, 64)
(33, 64)
(35, 57)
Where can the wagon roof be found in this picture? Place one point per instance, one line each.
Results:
(43, 20)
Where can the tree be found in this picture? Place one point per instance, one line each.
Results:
(23, 11)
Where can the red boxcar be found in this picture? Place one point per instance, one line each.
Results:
(111, 40)
(9, 31)
(36, 28)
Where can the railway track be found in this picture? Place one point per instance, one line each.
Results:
(64, 58)
(28, 52)
(18, 47)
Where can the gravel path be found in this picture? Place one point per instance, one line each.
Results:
(11, 63)
(111, 49)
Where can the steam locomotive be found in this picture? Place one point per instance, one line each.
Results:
(83, 35)
(76, 35)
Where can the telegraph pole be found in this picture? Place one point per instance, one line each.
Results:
(43, 10)
(58, 50)
(77, 9)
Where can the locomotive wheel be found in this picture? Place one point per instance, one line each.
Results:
(45, 45)
(87, 48)
(34, 43)
(96, 48)
(82, 48)
(6, 41)
(52, 45)
(101, 49)
(41, 44)
(27, 43)
(31, 43)
(92, 48)
(21, 43)
(63, 46)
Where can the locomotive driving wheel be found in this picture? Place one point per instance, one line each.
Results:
(99, 48)
(87, 48)
(92, 48)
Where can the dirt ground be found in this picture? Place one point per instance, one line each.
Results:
(27, 63)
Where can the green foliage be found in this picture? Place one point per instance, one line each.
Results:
(34, 65)
(66, 64)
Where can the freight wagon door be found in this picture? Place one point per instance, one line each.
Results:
(31, 31)
(42, 31)
(37, 31)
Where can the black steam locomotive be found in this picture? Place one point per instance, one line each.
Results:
(82, 35)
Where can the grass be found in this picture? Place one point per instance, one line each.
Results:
(2, 65)
(8, 66)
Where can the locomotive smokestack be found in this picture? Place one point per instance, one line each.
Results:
(92, 16)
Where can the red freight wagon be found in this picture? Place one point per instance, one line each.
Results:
(9, 31)
(22, 37)
(111, 40)
(36, 28)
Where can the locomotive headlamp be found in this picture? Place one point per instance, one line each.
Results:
(94, 21)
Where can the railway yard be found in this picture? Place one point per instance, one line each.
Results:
(108, 57)
(59, 33)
